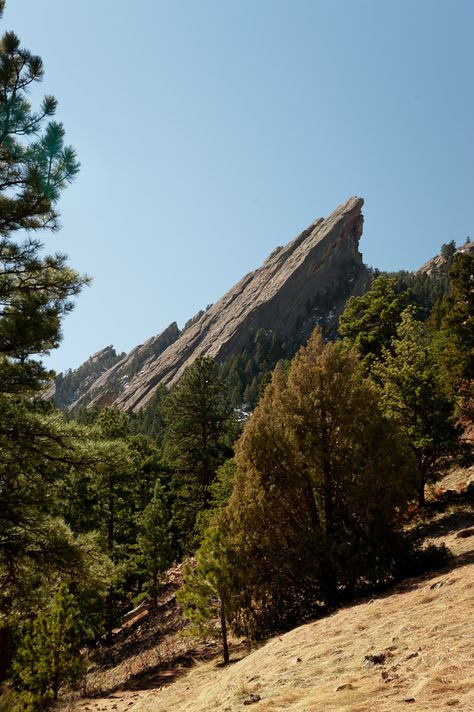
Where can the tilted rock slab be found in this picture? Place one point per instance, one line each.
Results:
(104, 390)
(307, 282)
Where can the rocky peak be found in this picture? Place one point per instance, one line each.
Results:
(304, 283)
(108, 382)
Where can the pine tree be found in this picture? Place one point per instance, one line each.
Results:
(453, 327)
(369, 322)
(220, 492)
(321, 477)
(154, 542)
(414, 396)
(40, 452)
(35, 167)
(198, 423)
(48, 656)
(204, 596)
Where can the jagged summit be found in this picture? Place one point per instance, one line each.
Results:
(305, 283)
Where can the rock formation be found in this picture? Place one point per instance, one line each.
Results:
(439, 264)
(305, 283)
(105, 388)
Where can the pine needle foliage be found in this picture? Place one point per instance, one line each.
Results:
(197, 441)
(453, 327)
(321, 478)
(154, 541)
(369, 322)
(48, 656)
(204, 596)
(413, 394)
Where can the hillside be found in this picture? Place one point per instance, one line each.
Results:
(421, 632)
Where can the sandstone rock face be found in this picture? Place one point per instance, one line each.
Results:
(300, 285)
(71, 385)
(105, 388)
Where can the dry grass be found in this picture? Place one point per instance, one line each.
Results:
(424, 626)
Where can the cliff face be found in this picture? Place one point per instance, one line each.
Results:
(298, 286)
(71, 385)
(104, 389)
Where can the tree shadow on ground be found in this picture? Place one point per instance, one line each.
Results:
(449, 512)
(450, 522)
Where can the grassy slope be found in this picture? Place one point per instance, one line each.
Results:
(424, 626)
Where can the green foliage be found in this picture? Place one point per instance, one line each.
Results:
(220, 492)
(369, 322)
(10, 700)
(448, 250)
(204, 596)
(48, 656)
(425, 288)
(35, 292)
(35, 166)
(38, 451)
(151, 420)
(321, 477)
(153, 540)
(197, 441)
(34, 163)
(453, 323)
(245, 373)
(414, 396)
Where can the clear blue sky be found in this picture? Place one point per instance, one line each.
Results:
(211, 131)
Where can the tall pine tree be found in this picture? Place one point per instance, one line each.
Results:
(197, 441)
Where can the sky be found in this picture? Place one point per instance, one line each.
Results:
(211, 131)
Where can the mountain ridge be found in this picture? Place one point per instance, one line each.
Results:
(302, 284)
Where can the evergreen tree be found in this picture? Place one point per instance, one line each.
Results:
(35, 291)
(220, 492)
(114, 500)
(48, 657)
(448, 250)
(453, 325)
(369, 322)
(413, 395)
(154, 542)
(204, 596)
(39, 451)
(197, 440)
(151, 420)
(35, 166)
(321, 477)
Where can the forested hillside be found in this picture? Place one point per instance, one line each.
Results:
(286, 468)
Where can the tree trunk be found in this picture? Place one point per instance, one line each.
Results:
(225, 646)
(5, 651)
(421, 492)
